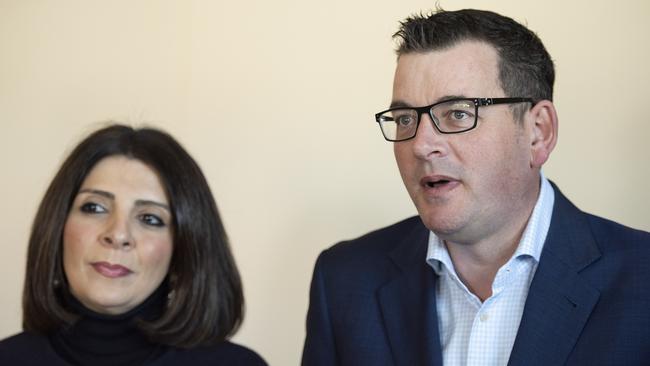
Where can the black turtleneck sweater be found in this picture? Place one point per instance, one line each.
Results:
(99, 340)
(108, 340)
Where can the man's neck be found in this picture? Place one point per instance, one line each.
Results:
(478, 262)
(477, 265)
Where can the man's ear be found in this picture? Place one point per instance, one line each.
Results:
(544, 128)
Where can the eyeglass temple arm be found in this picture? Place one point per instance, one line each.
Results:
(491, 101)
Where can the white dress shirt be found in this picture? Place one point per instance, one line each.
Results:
(474, 333)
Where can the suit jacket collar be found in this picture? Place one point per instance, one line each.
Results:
(559, 301)
(558, 305)
(408, 304)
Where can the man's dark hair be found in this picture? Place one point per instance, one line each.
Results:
(525, 67)
(207, 301)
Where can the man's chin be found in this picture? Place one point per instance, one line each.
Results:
(444, 226)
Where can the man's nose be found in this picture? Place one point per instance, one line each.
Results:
(428, 141)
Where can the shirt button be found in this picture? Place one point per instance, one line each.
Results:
(483, 317)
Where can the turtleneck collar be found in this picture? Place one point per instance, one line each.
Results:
(112, 340)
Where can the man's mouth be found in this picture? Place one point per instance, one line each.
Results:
(436, 181)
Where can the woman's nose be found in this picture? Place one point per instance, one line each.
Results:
(118, 233)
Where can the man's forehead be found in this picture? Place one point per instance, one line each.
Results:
(467, 68)
(465, 47)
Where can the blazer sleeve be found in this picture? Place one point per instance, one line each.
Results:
(320, 348)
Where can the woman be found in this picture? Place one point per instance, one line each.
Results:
(128, 262)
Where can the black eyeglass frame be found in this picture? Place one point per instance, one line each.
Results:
(478, 102)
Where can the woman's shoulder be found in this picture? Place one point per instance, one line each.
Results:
(22, 341)
(224, 353)
(27, 349)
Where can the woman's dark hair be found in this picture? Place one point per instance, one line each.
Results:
(525, 67)
(207, 302)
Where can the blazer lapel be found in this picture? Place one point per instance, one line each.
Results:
(408, 305)
(559, 302)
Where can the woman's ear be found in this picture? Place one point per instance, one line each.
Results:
(544, 130)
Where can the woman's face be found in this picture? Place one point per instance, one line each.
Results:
(117, 239)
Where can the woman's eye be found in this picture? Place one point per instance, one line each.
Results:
(91, 207)
(152, 220)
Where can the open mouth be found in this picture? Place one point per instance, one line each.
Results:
(436, 183)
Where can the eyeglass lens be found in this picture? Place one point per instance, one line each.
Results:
(451, 116)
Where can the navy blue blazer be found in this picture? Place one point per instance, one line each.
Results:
(373, 299)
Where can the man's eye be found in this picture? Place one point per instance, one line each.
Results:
(152, 220)
(405, 120)
(459, 114)
(91, 207)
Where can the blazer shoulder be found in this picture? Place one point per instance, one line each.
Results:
(371, 253)
(611, 235)
(584, 237)
(376, 242)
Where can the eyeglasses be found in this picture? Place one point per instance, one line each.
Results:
(449, 116)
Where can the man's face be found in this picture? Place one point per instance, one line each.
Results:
(469, 186)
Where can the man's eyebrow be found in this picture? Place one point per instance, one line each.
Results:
(452, 96)
(399, 104)
(402, 104)
(111, 196)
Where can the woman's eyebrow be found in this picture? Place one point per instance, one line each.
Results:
(149, 202)
(98, 192)
(111, 196)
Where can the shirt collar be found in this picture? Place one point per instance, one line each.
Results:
(530, 245)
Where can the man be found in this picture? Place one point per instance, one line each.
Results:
(499, 268)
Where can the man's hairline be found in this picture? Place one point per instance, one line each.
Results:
(470, 38)
(457, 42)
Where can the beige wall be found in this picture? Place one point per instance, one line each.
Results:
(275, 99)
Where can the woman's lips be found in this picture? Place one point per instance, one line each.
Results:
(111, 270)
